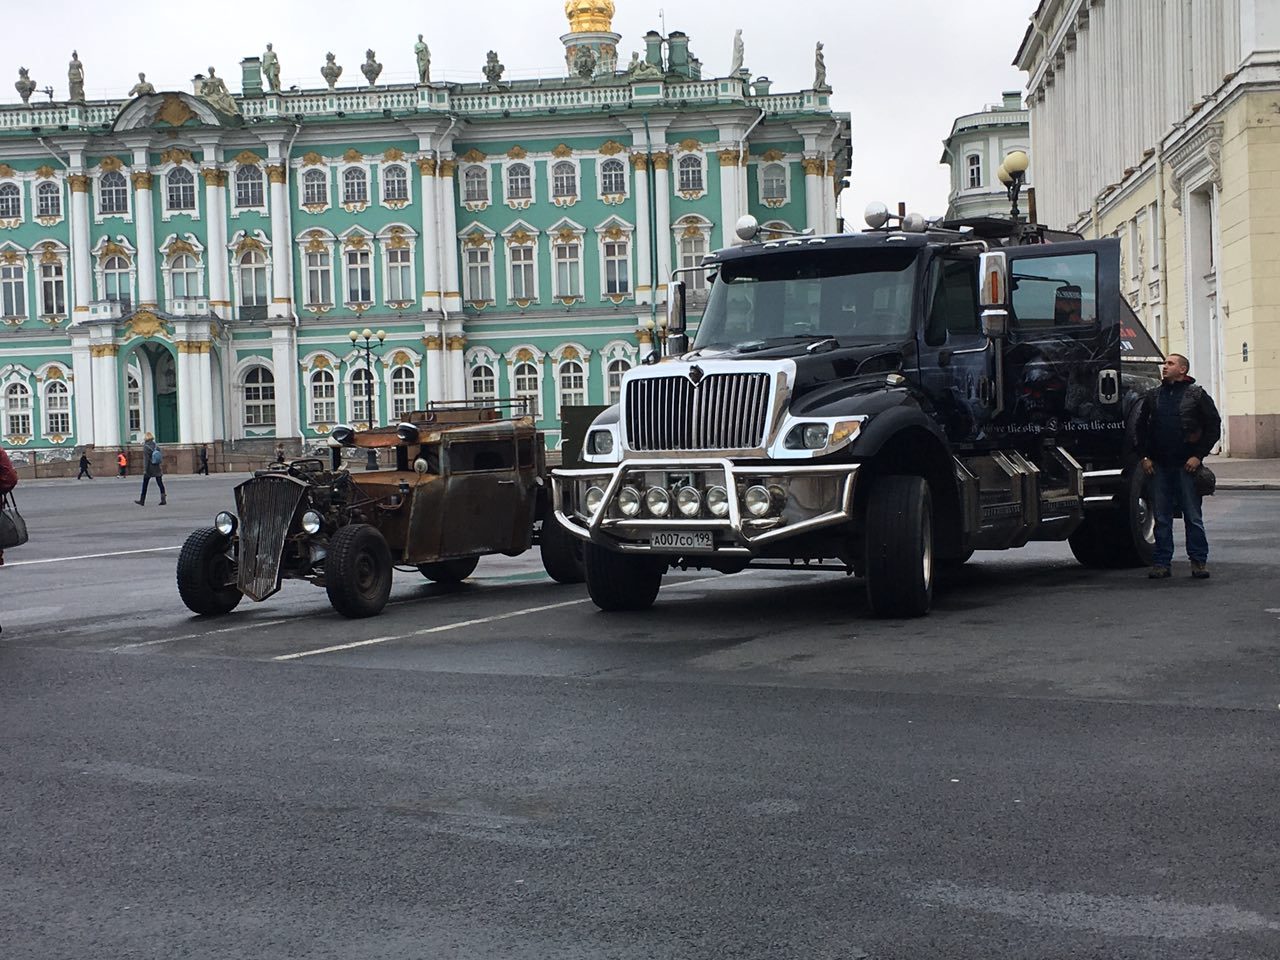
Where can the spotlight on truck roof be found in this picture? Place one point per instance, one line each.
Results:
(914, 223)
(876, 215)
(746, 228)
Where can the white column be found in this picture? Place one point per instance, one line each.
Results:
(433, 347)
(829, 197)
(433, 236)
(281, 243)
(106, 406)
(1259, 27)
(730, 195)
(450, 280)
(144, 222)
(662, 194)
(644, 285)
(215, 209)
(82, 372)
(204, 370)
(283, 350)
(81, 258)
(188, 387)
(455, 360)
(813, 169)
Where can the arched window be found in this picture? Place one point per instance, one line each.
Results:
(974, 163)
(253, 279)
(184, 277)
(181, 186)
(362, 395)
(249, 191)
(10, 201)
(774, 185)
(527, 384)
(133, 404)
(113, 193)
(573, 386)
(613, 177)
(13, 289)
(519, 183)
(692, 249)
(57, 409)
(17, 409)
(395, 183)
(259, 398)
(404, 391)
(324, 397)
(48, 199)
(355, 186)
(475, 185)
(484, 385)
(315, 188)
(690, 168)
(115, 279)
(614, 377)
(564, 179)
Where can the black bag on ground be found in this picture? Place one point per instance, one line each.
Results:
(13, 529)
(1204, 481)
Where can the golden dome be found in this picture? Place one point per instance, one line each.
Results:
(589, 16)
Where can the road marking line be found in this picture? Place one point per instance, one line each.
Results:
(89, 556)
(207, 633)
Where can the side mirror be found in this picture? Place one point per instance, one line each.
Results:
(675, 307)
(995, 324)
(993, 280)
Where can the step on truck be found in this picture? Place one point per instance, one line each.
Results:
(882, 403)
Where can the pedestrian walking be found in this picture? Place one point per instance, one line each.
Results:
(1178, 425)
(84, 467)
(122, 462)
(279, 453)
(152, 468)
(204, 460)
(8, 480)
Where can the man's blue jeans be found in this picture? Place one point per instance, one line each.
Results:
(1173, 488)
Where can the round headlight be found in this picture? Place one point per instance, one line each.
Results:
(758, 500)
(629, 501)
(689, 501)
(595, 497)
(226, 523)
(658, 501)
(815, 436)
(311, 522)
(718, 501)
(600, 443)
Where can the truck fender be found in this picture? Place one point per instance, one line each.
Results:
(881, 428)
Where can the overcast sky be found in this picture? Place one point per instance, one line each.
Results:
(904, 69)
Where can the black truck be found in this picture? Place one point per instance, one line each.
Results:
(882, 404)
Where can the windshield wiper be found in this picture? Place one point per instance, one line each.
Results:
(816, 340)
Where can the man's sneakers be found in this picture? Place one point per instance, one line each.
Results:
(1199, 570)
(1159, 573)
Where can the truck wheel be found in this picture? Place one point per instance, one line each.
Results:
(617, 581)
(206, 575)
(1122, 537)
(561, 553)
(357, 571)
(899, 530)
(449, 571)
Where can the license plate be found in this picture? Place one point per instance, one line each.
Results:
(682, 540)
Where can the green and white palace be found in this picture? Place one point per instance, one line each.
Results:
(193, 264)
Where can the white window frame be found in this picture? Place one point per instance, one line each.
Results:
(14, 188)
(14, 292)
(15, 392)
(603, 239)
(517, 392)
(263, 267)
(689, 192)
(58, 282)
(520, 203)
(315, 206)
(526, 353)
(60, 408)
(263, 186)
(483, 363)
(324, 400)
(579, 357)
(398, 233)
(172, 268)
(168, 210)
(261, 402)
(48, 219)
(100, 214)
(354, 206)
(328, 248)
(973, 171)
(133, 403)
(402, 401)
(362, 399)
(575, 271)
(357, 261)
(612, 395)
(763, 179)
(476, 204)
(131, 269)
(567, 199)
(603, 193)
(392, 203)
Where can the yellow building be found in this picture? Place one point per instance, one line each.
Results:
(1159, 123)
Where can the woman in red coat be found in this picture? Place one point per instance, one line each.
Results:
(8, 480)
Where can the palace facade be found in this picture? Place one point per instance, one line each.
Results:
(194, 265)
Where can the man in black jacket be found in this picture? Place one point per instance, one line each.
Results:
(1178, 424)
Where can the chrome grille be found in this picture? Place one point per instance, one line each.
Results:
(265, 506)
(724, 411)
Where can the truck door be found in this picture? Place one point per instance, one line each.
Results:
(483, 495)
(1061, 358)
(957, 364)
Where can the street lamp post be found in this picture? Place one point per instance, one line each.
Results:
(368, 336)
(1013, 173)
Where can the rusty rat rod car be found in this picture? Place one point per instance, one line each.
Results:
(465, 482)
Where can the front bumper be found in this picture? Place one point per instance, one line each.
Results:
(813, 497)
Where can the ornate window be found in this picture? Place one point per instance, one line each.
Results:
(17, 409)
(690, 173)
(324, 397)
(319, 278)
(180, 186)
(974, 162)
(133, 404)
(617, 261)
(693, 247)
(10, 201)
(13, 289)
(259, 398)
(249, 190)
(315, 188)
(115, 279)
(527, 383)
(479, 276)
(355, 186)
(567, 260)
(475, 185)
(404, 391)
(573, 386)
(484, 385)
(57, 409)
(613, 177)
(613, 380)
(400, 275)
(253, 279)
(524, 272)
(773, 182)
(564, 180)
(53, 289)
(359, 276)
(48, 199)
(361, 395)
(113, 193)
(519, 182)
(395, 184)
(184, 277)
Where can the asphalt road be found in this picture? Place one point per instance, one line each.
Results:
(1056, 763)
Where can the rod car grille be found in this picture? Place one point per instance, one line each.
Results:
(266, 507)
(724, 411)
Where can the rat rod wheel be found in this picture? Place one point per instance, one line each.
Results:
(206, 575)
(357, 571)
(619, 581)
(561, 553)
(449, 571)
(899, 532)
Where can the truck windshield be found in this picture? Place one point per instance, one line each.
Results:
(850, 295)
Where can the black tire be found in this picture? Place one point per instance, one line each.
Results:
(449, 571)
(899, 532)
(618, 581)
(357, 571)
(1122, 537)
(206, 575)
(561, 553)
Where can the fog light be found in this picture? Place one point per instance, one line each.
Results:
(226, 523)
(629, 501)
(718, 501)
(758, 500)
(595, 497)
(311, 522)
(658, 501)
(689, 501)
